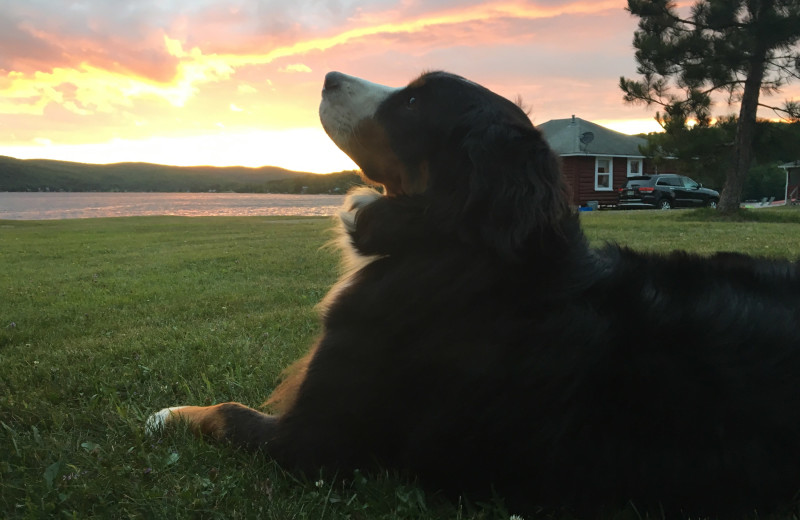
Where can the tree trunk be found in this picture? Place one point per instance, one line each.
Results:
(731, 195)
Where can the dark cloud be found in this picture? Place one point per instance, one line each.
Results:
(16, 43)
(250, 25)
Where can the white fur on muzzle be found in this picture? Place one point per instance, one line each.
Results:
(346, 101)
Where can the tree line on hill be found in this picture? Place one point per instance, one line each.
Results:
(48, 175)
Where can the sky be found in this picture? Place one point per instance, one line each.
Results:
(237, 82)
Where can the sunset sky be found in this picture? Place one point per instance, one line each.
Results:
(237, 82)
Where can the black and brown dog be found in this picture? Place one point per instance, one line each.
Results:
(479, 344)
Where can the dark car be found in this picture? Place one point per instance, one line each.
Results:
(665, 191)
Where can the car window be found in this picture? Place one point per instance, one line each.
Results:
(669, 181)
(638, 181)
(689, 183)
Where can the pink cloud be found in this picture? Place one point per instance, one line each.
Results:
(96, 69)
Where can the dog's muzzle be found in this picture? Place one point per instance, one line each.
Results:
(346, 102)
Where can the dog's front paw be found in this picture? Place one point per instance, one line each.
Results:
(158, 421)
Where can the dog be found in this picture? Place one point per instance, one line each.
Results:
(479, 344)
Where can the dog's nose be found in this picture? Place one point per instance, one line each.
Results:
(333, 80)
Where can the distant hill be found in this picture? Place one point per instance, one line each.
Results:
(47, 175)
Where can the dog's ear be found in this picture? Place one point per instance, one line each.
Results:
(516, 199)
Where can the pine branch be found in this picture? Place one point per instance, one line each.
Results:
(790, 111)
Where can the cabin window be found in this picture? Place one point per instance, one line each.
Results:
(634, 167)
(603, 177)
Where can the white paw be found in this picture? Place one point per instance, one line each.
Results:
(157, 421)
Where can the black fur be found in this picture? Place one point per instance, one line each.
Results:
(487, 347)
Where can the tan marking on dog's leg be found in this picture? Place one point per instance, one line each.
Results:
(285, 394)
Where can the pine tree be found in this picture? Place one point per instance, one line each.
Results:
(740, 48)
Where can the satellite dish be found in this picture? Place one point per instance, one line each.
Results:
(586, 138)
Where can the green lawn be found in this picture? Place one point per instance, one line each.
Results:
(104, 321)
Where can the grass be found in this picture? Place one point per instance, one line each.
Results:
(103, 321)
(769, 232)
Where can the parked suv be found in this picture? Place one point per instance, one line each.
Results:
(665, 191)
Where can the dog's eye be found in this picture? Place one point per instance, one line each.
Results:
(412, 101)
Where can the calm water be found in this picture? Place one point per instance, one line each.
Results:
(47, 206)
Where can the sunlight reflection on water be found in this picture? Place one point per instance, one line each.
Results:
(49, 206)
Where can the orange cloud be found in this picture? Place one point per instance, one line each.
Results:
(104, 89)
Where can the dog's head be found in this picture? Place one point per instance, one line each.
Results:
(473, 156)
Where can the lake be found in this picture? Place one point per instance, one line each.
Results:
(49, 206)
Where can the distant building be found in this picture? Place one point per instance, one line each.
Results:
(596, 161)
(792, 181)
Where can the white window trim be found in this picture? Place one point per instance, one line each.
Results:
(610, 174)
(641, 167)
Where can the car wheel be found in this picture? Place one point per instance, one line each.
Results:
(712, 203)
(664, 204)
